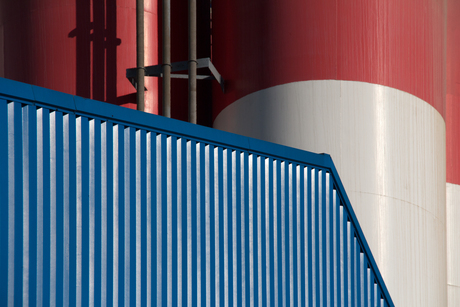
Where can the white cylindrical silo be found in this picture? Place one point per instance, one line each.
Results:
(363, 82)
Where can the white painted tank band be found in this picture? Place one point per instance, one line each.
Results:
(389, 149)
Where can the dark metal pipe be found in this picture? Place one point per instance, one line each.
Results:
(140, 53)
(167, 58)
(192, 62)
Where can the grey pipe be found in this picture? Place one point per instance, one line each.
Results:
(140, 53)
(166, 58)
(192, 116)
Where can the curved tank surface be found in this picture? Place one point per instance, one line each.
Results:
(365, 82)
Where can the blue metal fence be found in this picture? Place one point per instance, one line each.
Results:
(101, 205)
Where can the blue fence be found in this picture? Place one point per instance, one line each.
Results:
(101, 205)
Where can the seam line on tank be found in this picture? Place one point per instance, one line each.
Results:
(404, 201)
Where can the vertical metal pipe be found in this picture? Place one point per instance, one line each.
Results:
(140, 53)
(192, 116)
(167, 58)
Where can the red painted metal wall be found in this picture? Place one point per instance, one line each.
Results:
(260, 44)
(80, 47)
(453, 93)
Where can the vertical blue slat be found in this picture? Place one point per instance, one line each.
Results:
(316, 228)
(359, 285)
(376, 301)
(271, 221)
(130, 179)
(285, 213)
(354, 268)
(90, 208)
(303, 195)
(379, 296)
(174, 207)
(220, 198)
(362, 286)
(85, 217)
(310, 222)
(238, 188)
(45, 209)
(109, 218)
(251, 219)
(25, 203)
(285, 231)
(182, 220)
(231, 218)
(4, 185)
(128, 205)
(202, 224)
(59, 213)
(191, 153)
(211, 229)
(307, 235)
(153, 217)
(279, 251)
(52, 211)
(142, 266)
(130, 215)
(254, 231)
(330, 234)
(97, 212)
(137, 248)
(365, 281)
(72, 162)
(337, 264)
(163, 261)
(101, 218)
(294, 246)
(120, 213)
(15, 213)
(31, 124)
(263, 235)
(323, 238)
(160, 181)
(352, 272)
(245, 223)
(346, 255)
(371, 287)
(24, 224)
(184, 184)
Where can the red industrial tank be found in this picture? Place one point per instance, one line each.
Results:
(453, 93)
(80, 47)
(365, 82)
